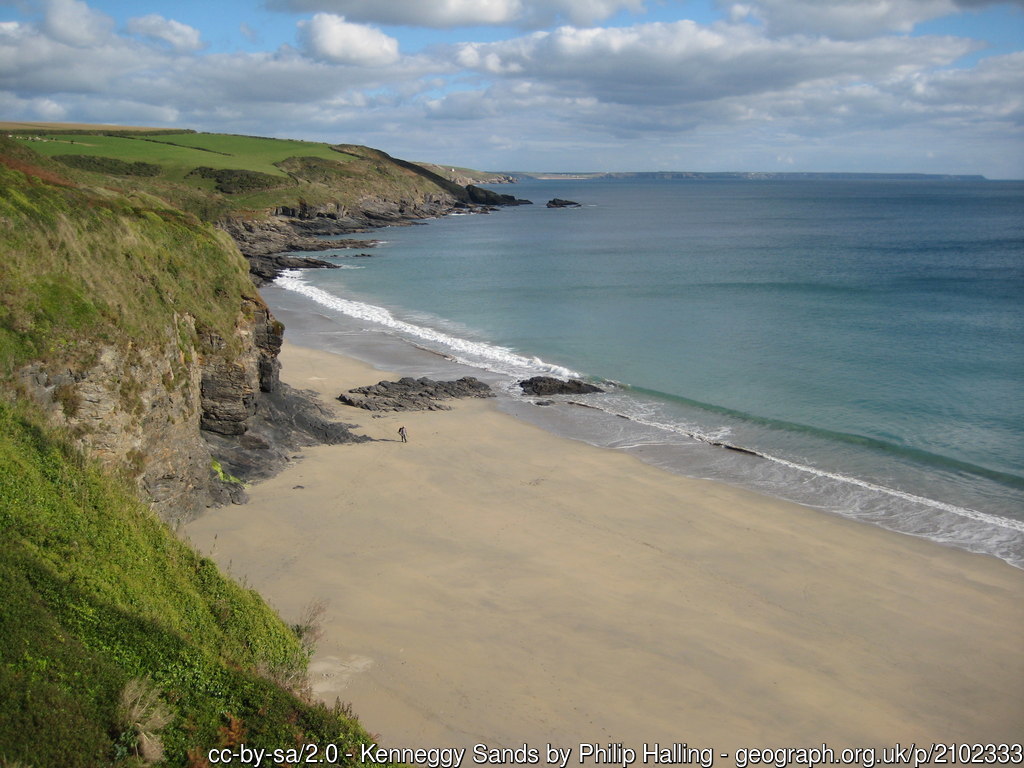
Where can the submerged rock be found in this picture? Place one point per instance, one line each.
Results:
(547, 385)
(560, 203)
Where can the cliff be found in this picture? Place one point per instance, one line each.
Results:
(135, 328)
(138, 382)
(130, 317)
(138, 385)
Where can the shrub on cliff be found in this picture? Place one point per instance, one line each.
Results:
(232, 181)
(96, 596)
(109, 165)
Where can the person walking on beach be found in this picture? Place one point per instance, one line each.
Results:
(402, 434)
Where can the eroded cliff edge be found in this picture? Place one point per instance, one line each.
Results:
(136, 329)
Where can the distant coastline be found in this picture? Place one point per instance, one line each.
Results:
(755, 176)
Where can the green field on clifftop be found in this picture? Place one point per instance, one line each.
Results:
(180, 153)
(217, 175)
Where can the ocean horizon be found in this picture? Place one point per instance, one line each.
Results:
(853, 345)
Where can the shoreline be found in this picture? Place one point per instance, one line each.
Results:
(912, 499)
(491, 582)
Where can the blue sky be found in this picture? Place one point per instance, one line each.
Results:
(932, 86)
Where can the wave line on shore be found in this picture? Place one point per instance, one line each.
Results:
(479, 354)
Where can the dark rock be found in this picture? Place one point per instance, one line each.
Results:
(730, 447)
(558, 202)
(225, 491)
(283, 421)
(482, 196)
(228, 397)
(409, 394)
(546, 385)
(269, 244)
(268, 267)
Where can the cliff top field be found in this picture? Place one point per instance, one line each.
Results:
(216, 174)
(180, 153)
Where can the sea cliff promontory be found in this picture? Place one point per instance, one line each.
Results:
(140, 384)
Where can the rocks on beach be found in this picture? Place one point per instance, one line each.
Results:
(409, 394)
(544, 386)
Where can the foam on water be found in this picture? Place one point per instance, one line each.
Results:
(718, 438)
(475, 353)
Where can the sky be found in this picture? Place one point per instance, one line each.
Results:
(929, 86)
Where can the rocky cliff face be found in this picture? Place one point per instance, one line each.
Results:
(137, 411)
(168, 416)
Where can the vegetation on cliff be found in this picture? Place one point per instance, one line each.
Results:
(218, 175)
(118, 644)
(97, 596)
(84, 265)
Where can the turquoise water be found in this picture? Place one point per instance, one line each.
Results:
(866, 338)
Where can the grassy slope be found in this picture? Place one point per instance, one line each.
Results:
(309, 172)
(180, 153)
(94, 590)
(85, 265)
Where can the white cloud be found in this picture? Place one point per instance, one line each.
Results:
(327, 37)
(34, 63)
(848, 19)
(464, 13)
(163, 80)
(179, 36)
(438, 13)
(72, 22)
(683, 62)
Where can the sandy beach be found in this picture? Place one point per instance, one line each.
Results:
(489, 582)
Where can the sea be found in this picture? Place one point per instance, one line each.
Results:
(856, 346)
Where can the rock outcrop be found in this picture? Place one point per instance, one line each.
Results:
(250, 419)
(270, 243)
(482, 196)
(409, 394)
(137, 411)
(282, 233)
(543, 386)
(558, 202)
(186, 423)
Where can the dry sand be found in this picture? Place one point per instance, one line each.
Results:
(491, 583)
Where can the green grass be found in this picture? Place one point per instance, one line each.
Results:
(181, 153)
(309, 172)
(96, 592)
(85, 266)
